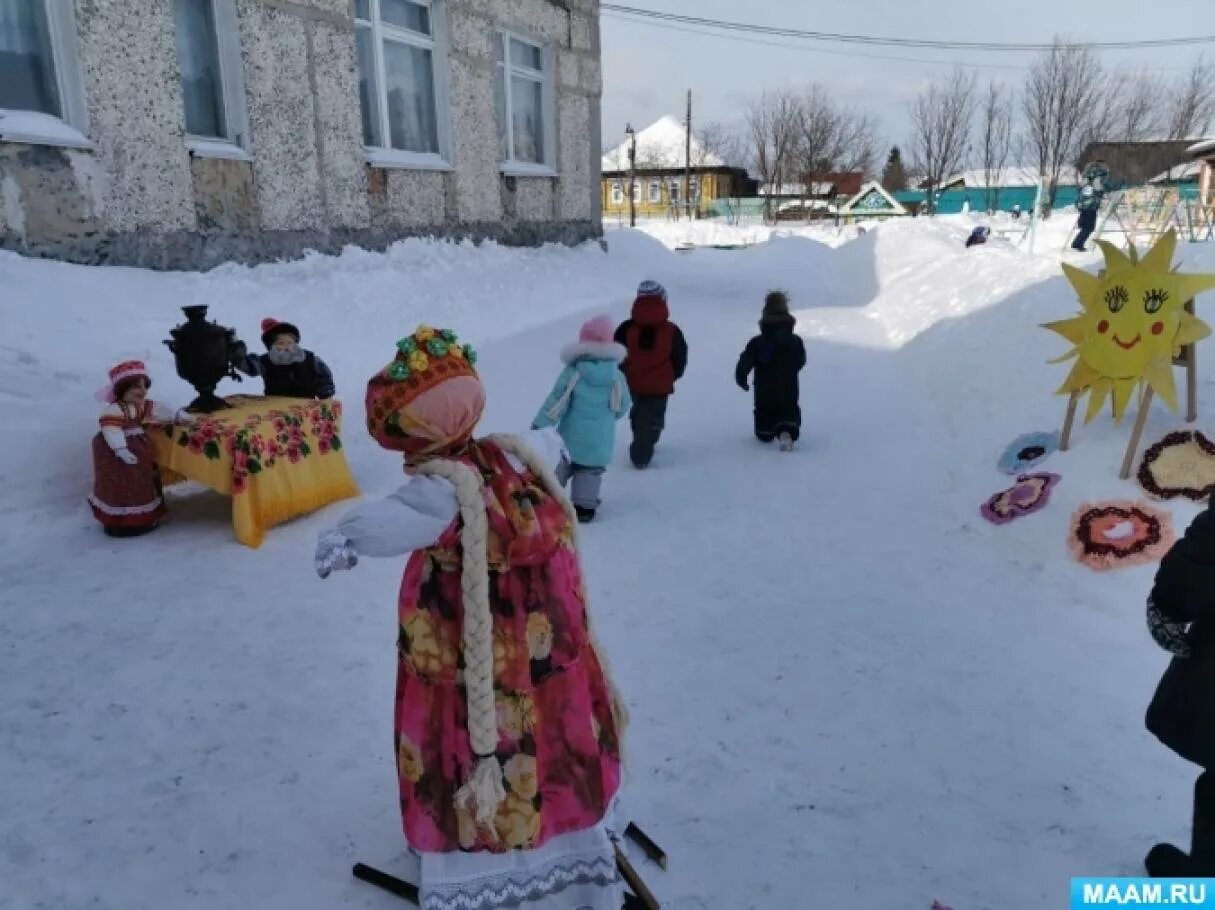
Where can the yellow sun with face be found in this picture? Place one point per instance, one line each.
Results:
(1133, 323)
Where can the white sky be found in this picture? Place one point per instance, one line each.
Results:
(648, 67)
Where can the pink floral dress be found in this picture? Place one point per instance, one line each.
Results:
(558, 743)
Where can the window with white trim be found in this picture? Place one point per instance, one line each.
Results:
(401, 48)
(212, 83)
(617, 192)
(41, 93)
(524, 103)
(655, 192)
(673, 189)
(636, 190)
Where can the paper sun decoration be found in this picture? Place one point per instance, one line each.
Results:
(1131, 327)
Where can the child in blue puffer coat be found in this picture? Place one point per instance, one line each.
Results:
(590, 395)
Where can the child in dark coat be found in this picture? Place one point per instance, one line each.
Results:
(1182, 712)
(657, 358)
(288, 370)
(776, 355)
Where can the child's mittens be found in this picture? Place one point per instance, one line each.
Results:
(127, 456)
(333, 551)
(1168, 634)
(183, 417)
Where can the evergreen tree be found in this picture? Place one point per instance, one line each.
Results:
(894, 177)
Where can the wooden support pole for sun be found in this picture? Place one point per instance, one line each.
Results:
(1065, 440)
(1145, 404)
(1189, 360)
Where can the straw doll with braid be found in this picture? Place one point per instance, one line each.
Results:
(507, 725)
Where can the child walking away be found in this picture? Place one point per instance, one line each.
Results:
(657, 357)
(589, 397)
(507, 726)
(1182, 712)
(288, 370)
(776, 355)
(127, 499)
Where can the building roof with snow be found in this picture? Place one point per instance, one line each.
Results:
(661, 146)
(1011, 176)
(1204, 149)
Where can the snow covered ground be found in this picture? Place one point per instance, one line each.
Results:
(847, 689)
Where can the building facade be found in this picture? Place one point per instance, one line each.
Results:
(672, 176)
(185, 133)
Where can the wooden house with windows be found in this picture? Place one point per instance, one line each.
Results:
(192, 132)
(661, 171)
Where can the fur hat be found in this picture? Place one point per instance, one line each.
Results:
(272, 328)
(776, 308)
(595, 342)
(119, 374)
(596, 331)
(423, 361)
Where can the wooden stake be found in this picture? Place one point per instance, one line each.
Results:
(634, 881)
(652, 851)
(1066, 440)
(1145, 403)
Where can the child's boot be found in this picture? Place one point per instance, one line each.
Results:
(786, 442)
(584, 514)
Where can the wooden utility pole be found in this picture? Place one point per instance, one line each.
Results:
(687, 161)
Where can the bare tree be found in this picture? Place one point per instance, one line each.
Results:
(1137, 98)
(941, 118)
(1063, 103)
(995, 139)
(773, 125)
(1191, 103)
(720, 141)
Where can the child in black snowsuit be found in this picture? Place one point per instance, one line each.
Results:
(288, 370)
(776, 355)
(1182, 712)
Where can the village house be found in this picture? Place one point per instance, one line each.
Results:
(190, 132)
(662, 168)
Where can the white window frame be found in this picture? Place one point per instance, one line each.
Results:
(505, 70)
(71, 129)
(655, 191)
(232, 91)
(617, 192)
(674, 190)
(636, 191)
(438, 45)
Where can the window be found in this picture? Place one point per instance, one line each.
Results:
(636, 190)
(524, 104)
(41, 95)
(655, 192)
(673, 188)
(400, 84)
(617, 192)
(208, 53)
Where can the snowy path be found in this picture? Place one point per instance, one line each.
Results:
(847, 690)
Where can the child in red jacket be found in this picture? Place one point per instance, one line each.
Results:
(657, 357)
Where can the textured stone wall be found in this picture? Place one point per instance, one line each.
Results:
(139, 198)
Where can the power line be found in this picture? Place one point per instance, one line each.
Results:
(624, 17)
(873, 40)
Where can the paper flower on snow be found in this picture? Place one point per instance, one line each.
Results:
(1028, 450)
(1111, 535)
(1181, 464)
(1030, 493)
(1131, 325)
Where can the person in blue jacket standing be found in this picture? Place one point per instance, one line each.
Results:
(588, 399)
(1096, 184)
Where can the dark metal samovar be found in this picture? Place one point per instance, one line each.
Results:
(205, 352)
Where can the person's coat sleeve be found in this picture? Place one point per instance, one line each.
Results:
(746, 363)
(679, 353)
(554, 406)
(324, 379)
(1184, 589)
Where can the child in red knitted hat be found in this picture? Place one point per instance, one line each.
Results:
(507, 725)
(288, 370)
(127, 498)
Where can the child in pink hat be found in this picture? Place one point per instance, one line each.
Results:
(589, 397)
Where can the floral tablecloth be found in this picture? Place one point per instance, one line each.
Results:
(277, 458)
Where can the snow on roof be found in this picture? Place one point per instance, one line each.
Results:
(1206, 147)
(662, 145)
(797, 189)
(1014, 175)
(1188, 171)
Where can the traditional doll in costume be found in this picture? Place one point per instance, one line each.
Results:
(589, 397)
(287, 369)
(126, 486)
(507, 728)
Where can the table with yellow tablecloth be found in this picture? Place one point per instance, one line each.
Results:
(277, 458)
